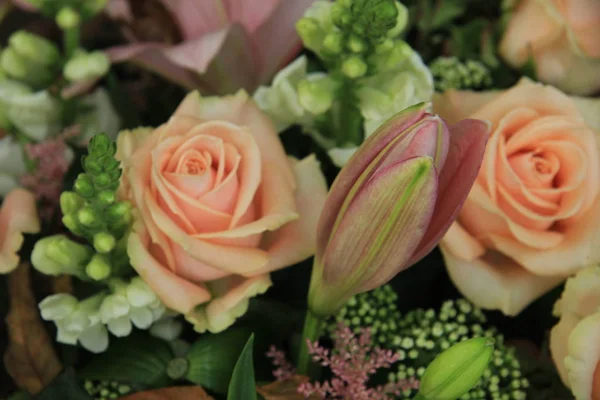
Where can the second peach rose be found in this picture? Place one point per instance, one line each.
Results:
(533, 215)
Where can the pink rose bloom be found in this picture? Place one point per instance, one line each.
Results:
(562, 37)
(216, 46)
(533, 215)
(575, 340)
(18, 215)
(219, 205)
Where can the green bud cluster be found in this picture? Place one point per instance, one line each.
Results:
(376, 309)
(30, 59)
(92, 210)
(105, 390)
(420, 335)
(451, 73)
(345, 34)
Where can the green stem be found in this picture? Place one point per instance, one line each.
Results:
(419, 396)
(346, 119)
(71, 41)
(311, 331)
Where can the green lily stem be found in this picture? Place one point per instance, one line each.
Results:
(419, 396)
(311, 331)
(71, 41)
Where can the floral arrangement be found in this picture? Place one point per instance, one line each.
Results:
(300, 199)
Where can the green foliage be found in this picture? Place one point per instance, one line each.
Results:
(243, 385)
(65, 386)
(103, 390)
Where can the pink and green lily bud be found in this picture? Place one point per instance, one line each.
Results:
(392, 203)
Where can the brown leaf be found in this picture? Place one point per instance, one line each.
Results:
(30, 358)
(172, 393)
(284, 390)
(62, 284)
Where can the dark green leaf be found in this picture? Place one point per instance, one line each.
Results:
(20, 396)
(530, 69)
(448, 12)
(242, 385)
(138, 358)
(212, 358)
(466, 39)
(65, 387)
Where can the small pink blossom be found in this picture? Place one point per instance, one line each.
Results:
(284, 370)
(52, 163)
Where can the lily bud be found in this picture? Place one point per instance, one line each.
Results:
(455, 371)
(392, 203)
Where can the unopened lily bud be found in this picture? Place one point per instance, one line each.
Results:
(58, 255)
(104, 242)
(392, 203)
(354, 67)
(316, 95)
(99, 268)
(68, 18)
(86, 66)
(70, 202)
(454, 372)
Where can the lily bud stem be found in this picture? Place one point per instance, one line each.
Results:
(313, 325)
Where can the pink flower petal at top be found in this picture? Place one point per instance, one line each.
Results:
(216, 46)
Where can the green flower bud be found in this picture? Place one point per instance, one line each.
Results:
(119, 212)
(311, 33)
(104, 242)
(106, 197)
(455, 371)
(13, 64)
(34, 48)
(333, 44)
(101, 145)
(71, 222)
(57, 306)
(87, 217)
(340, 14)
(68, 18)
(354, 67)
(84, 186)
(86, 66)
(57, 255)
(99, 268)
(401, 20)
(356, 45)
(374, 18)
(70, 202)
(102, 180)
(316, 95)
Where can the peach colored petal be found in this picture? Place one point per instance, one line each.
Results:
(583, 356)
(530, 29)
(559, 340)
(581, 295)
(496, 282)
(176, 293)
(235, 260)
(454, 105)
(460, 243)
(18, 215)
(583, 18)
(579, 248)
(590, 110)
(129, 141)
(295, 241)
(241, 110)
(193, 269)
(232, 295)
(480, 217)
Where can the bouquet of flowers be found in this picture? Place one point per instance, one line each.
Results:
(300, 199)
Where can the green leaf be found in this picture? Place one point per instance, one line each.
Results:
(212, 358)
(466, 40)
(448, 11)
(242, 385)
(22, 395)
(66, 386)
(138, 358)
(530, 68)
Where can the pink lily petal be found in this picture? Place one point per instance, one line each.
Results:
(467, 146)
(197, 18)
(252, 14)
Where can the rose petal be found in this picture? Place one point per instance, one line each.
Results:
(496, 282)
(232, 295)
(176, 293)
(454, 105)
(17, 216)
(583, 356)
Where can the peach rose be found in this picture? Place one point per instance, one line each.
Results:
(562, 37)
(17, 216)
(533, 215)
(575, 340)
(219, 206)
